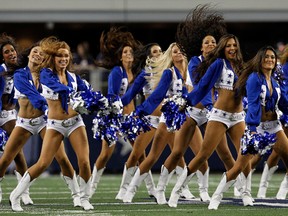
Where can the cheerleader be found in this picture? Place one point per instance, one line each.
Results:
(265, 96)
(62, 121)
(220, 70)
(117, 47)
(31, 118)
(173, 65)
(8, 113)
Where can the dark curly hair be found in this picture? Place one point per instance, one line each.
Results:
(4, 40)
(112, 44)
(199, 23)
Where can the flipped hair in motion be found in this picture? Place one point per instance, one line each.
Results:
(50, 47)
(199, 23)
(112, 44)
(163, 62)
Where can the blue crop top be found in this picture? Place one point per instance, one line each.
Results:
(170, 84)
(192, 65)
(25, 88)
(53, 89)
(6, 86)
(227, 78)
(219, 75)
(258, 96)
(117, 81)
(135, 88)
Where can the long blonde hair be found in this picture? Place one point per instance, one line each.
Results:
(163, 62)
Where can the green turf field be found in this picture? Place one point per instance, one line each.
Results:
(52, 197)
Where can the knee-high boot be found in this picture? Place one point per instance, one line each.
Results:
(203, 185)
(126, 179)
(182, 181)
(218, 194)
(74, 188)
(185, 192)
(265, 179)
(283, 190)
(133, 186)
(85, 190)
(238, 186)
(16, 194)
(26, 195)
(163, 181)
(246, 194)
(150, 186)
(96, 175)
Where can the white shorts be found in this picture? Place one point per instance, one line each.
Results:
(67, 126)
(227, 118)
(153, 120)
(198, 115)
(34, 125)
(7, 115)
(269, 126)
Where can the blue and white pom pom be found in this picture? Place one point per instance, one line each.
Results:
(86, 102)
(107, 122)
(257, 143)
(132, 125)
(3, 139)
(115, 104)
(106, 127)
(266, 144)
(174, 112)
(249, 143)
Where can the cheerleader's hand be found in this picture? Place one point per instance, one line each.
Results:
(117, 107)
(137, 113)
(78, 104)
